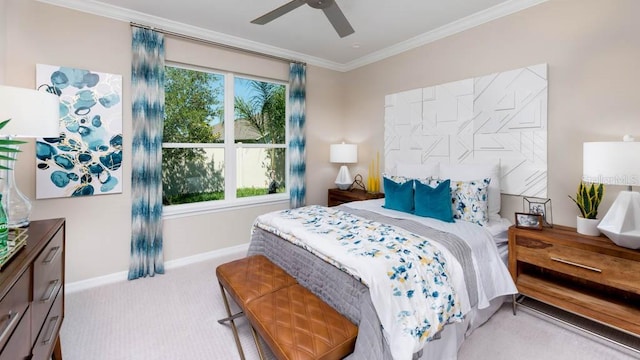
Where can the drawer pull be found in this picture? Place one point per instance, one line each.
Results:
(51, 255)
(51, 330)
(10, 319)
(51, 291)
(576, 264)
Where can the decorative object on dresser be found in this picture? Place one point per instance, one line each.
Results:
(337, 196)
(373, 182)
(586, 275)
(617, 163)
(358, 183)
(33, 114)
(32, 295)
(588, 199)
(529, 221)
(343, 154)
(539, 206)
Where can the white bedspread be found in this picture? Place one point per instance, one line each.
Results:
(404, 333)
(494, 278)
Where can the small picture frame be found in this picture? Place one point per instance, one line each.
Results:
(541, 207)
(529, 221)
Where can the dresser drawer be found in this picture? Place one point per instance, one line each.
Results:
(19, 346)
(13, 306)
(43, 345)
(47, 280)
(603, 269)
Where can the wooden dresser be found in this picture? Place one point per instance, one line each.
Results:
(337, 196)
(32, 295)
(586, 275)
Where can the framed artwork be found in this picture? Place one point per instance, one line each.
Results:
(539, 206)
(86, 159)
(529, 221)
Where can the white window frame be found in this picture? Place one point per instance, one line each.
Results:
(230, 200)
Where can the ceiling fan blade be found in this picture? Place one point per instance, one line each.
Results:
(338, 20)
(274, 14)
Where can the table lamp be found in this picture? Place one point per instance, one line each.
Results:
(343, 154)
(33, 114)
(617, 163)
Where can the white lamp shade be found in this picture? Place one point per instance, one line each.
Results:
(33, 113)
(343, 153)
(613, 163)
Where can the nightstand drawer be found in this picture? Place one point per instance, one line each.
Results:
(338, 197)
(607, 270)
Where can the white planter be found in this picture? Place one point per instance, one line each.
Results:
(588, 226)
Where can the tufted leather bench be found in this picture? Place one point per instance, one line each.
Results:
(245, 280)
(297, 325)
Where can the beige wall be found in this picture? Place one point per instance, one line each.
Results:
(98, 227)
(592, 49)
(591, 46)
(3, 21)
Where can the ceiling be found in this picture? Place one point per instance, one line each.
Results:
(382, 27)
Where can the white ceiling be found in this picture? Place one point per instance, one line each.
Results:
(382, 27)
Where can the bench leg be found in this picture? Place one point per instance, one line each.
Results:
(257, 341)
(230, 318)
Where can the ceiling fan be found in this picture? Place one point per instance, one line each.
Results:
(329, 7)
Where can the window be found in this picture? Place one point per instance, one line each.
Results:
(224, 138)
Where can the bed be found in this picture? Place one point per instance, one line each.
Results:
(415, 285)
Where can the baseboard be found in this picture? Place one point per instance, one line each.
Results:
(172, 264)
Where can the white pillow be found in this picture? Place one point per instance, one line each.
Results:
(475, 171)
(418, 171)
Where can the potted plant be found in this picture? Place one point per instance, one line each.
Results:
(588, 199)
(8, 147)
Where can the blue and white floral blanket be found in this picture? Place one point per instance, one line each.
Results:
(412, 282)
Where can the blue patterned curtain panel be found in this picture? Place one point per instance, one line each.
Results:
(297, 141)
(147, 87)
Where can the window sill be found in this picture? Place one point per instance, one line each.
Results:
(183, 210)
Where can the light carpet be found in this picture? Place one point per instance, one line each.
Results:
(174, 317)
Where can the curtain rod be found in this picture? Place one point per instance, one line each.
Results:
(214, 43)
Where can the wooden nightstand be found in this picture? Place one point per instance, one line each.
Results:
(337, 196)
(585, 275)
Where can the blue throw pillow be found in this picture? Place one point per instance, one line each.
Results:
(398, 195)
(434, 202)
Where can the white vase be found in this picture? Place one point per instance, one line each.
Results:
(588, 226)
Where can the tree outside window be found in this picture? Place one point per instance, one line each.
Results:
(193, 165)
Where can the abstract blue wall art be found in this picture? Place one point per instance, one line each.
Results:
(86, 159)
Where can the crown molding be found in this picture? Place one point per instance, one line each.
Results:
(122, 14)
(131, 16)
(471, 21)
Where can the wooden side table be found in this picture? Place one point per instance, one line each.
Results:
(337, 196)
(585, 275)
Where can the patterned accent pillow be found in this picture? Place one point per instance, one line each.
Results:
(469, 200)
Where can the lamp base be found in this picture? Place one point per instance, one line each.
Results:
(344, 180)
(15, 203)
(621, 224)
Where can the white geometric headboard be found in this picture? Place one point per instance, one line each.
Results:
(502, 115)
